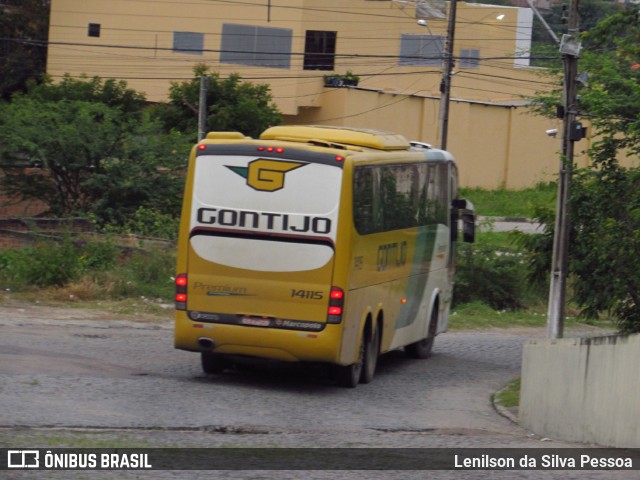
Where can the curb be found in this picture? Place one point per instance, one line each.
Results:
(506, 219)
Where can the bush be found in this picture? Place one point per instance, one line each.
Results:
(494, 276)
(146, 274)
(44, 265)
(152, 223)
(98, 256)
(57, 264)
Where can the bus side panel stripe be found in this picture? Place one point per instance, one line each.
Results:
(419, 275)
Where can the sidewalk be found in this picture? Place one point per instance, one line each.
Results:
(508, 224)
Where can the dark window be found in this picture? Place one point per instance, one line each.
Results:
(188, 42)
(393, 197)
(256, 46)
(363, 201)
(319, 50)
(94, 30)
(469, 58)
(421, 50)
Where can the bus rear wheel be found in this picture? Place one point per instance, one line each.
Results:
(349, 376)
(371, 354)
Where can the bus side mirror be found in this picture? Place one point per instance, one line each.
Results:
(468, 228)
(468, 217)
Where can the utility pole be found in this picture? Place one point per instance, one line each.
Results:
(550, 31)
(445, 85)
(202, 107)
(571, 132)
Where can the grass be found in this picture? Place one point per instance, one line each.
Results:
(478, 316)
(75, 439)
(510, 203)
(509, 396)
(498, 240)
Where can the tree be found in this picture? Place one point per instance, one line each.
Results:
(24, 27)
(99, 151)
(591, 12)
(605, 197)
(232, 105)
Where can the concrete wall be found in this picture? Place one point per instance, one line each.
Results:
(583, 389)
(495, 145)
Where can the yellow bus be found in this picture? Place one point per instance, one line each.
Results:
(316, 244)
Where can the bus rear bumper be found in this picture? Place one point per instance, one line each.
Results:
(259, 342)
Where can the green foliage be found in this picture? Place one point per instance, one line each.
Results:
(506, 270)
(511, 203)
(233, 105)
(110, 92)
(509, 396)
(591, 12)
(24, 27)
(604, 200)
(98, 256)
(100, 153)
(478, 315)
(148, 274)
(612, 97)
(101, 267)
(152, 223)
(538, 248)
(605, 206)
(43, 266)
(52, 264)
(494, 276)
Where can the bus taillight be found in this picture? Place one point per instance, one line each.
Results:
(336, 304)
(271, 149)
(181, 291)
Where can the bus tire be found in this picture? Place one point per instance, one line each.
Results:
(212, 363)
(371, 354)
(349, 376)
(423, 348)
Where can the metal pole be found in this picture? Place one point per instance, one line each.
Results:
(550, 31)
(445, 86)
(559, 262)
(202, 108)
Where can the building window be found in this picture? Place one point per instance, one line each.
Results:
(188, 42)
(256, 46)
(319, 50)
(423, 50)
(469, 58)
(94, 30)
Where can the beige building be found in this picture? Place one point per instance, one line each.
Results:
(293, 44)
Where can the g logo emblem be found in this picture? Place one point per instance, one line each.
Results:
(266, 175)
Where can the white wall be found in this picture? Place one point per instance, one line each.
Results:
(583, 389)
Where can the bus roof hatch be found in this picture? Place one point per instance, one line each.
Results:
(338, 135)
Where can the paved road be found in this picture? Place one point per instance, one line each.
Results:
(71, 381)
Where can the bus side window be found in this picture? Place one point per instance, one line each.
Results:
(363, 201)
